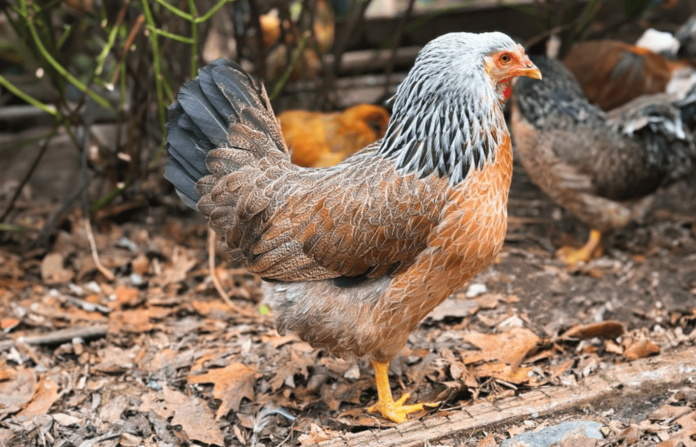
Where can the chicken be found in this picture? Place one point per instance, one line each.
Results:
(612, 72)
(602, 167)
(354, 256)
(324, 139)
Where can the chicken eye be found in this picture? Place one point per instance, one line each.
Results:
(505, 58)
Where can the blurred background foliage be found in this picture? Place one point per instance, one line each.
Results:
(84, 84)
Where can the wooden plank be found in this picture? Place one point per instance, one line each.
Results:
(624, 379)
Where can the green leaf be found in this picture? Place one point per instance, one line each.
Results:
(635, 8)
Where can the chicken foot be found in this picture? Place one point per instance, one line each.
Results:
(394, 411)
(572, 256)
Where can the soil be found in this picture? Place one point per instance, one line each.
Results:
(167, 326)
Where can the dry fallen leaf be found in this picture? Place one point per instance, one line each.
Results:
(510, 347)
(632, 434)
(165, 402)
(504, 372)
(288, 367)
(668, 412)
(612, 347)
(488, 441)
(333, 395)
(128, 440)
(605, 329)
(17, 392)
(52, 271)
(141, 264)
(133, 321)
(558, 370)
(639, 349)
(46, 395)
(317, 435)
(232, 383)
(212, 309)
(6, 324)
(196, 419)
(126, 296)
(459, 307)
(183, 260)
(6, 373)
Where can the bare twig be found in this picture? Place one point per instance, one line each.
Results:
(211, 266)
(86, 305)
(45, 232)
(353, 22)
(58, 337)
(126, 47)
(256, 20)
(213, 275)
(288, 71)
(95, 254)
(27, 176)
(395, 46)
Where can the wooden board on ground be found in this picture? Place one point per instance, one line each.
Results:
(625, 379)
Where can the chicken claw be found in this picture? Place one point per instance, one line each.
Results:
(394, 411)
(592, 248)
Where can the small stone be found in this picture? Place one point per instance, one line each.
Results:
(353, 372)
(475, 290)
(577, 433)
(64, 419)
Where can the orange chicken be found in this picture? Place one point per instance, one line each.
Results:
(354, 256)
(324, 139)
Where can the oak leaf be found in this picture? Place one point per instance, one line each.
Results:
(232, 383)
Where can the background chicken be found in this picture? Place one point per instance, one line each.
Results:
(319, 139)
(599, 166)
(355, 255)
(612, 72)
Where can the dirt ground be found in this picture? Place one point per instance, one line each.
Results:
(165, 361)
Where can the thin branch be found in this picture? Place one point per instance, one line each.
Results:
(27, 176)
(126, 47)
(58, 67)
(14, 90)
(59, 337)
(156, 67)
(174, 9)
(23, 143)
(288, 71)
(112, 38)
(176, 37)
(95, 254)
(212, 239)
(47, 229)
(211, 11)
(353, 22)
(395, 46)
(194, 39)
(256, 21)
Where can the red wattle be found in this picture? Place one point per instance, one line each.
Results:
(507, 92)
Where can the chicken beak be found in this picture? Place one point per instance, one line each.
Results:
(528, 69)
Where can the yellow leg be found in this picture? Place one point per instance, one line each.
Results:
(572, 256)
(394, 411)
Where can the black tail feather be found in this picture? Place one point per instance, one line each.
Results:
(198, 121)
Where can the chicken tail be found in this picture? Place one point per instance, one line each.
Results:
(668, 129)
(219, 123)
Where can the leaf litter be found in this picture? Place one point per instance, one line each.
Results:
(178, 365)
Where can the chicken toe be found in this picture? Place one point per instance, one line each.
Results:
(592, 249)
(394, 411)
